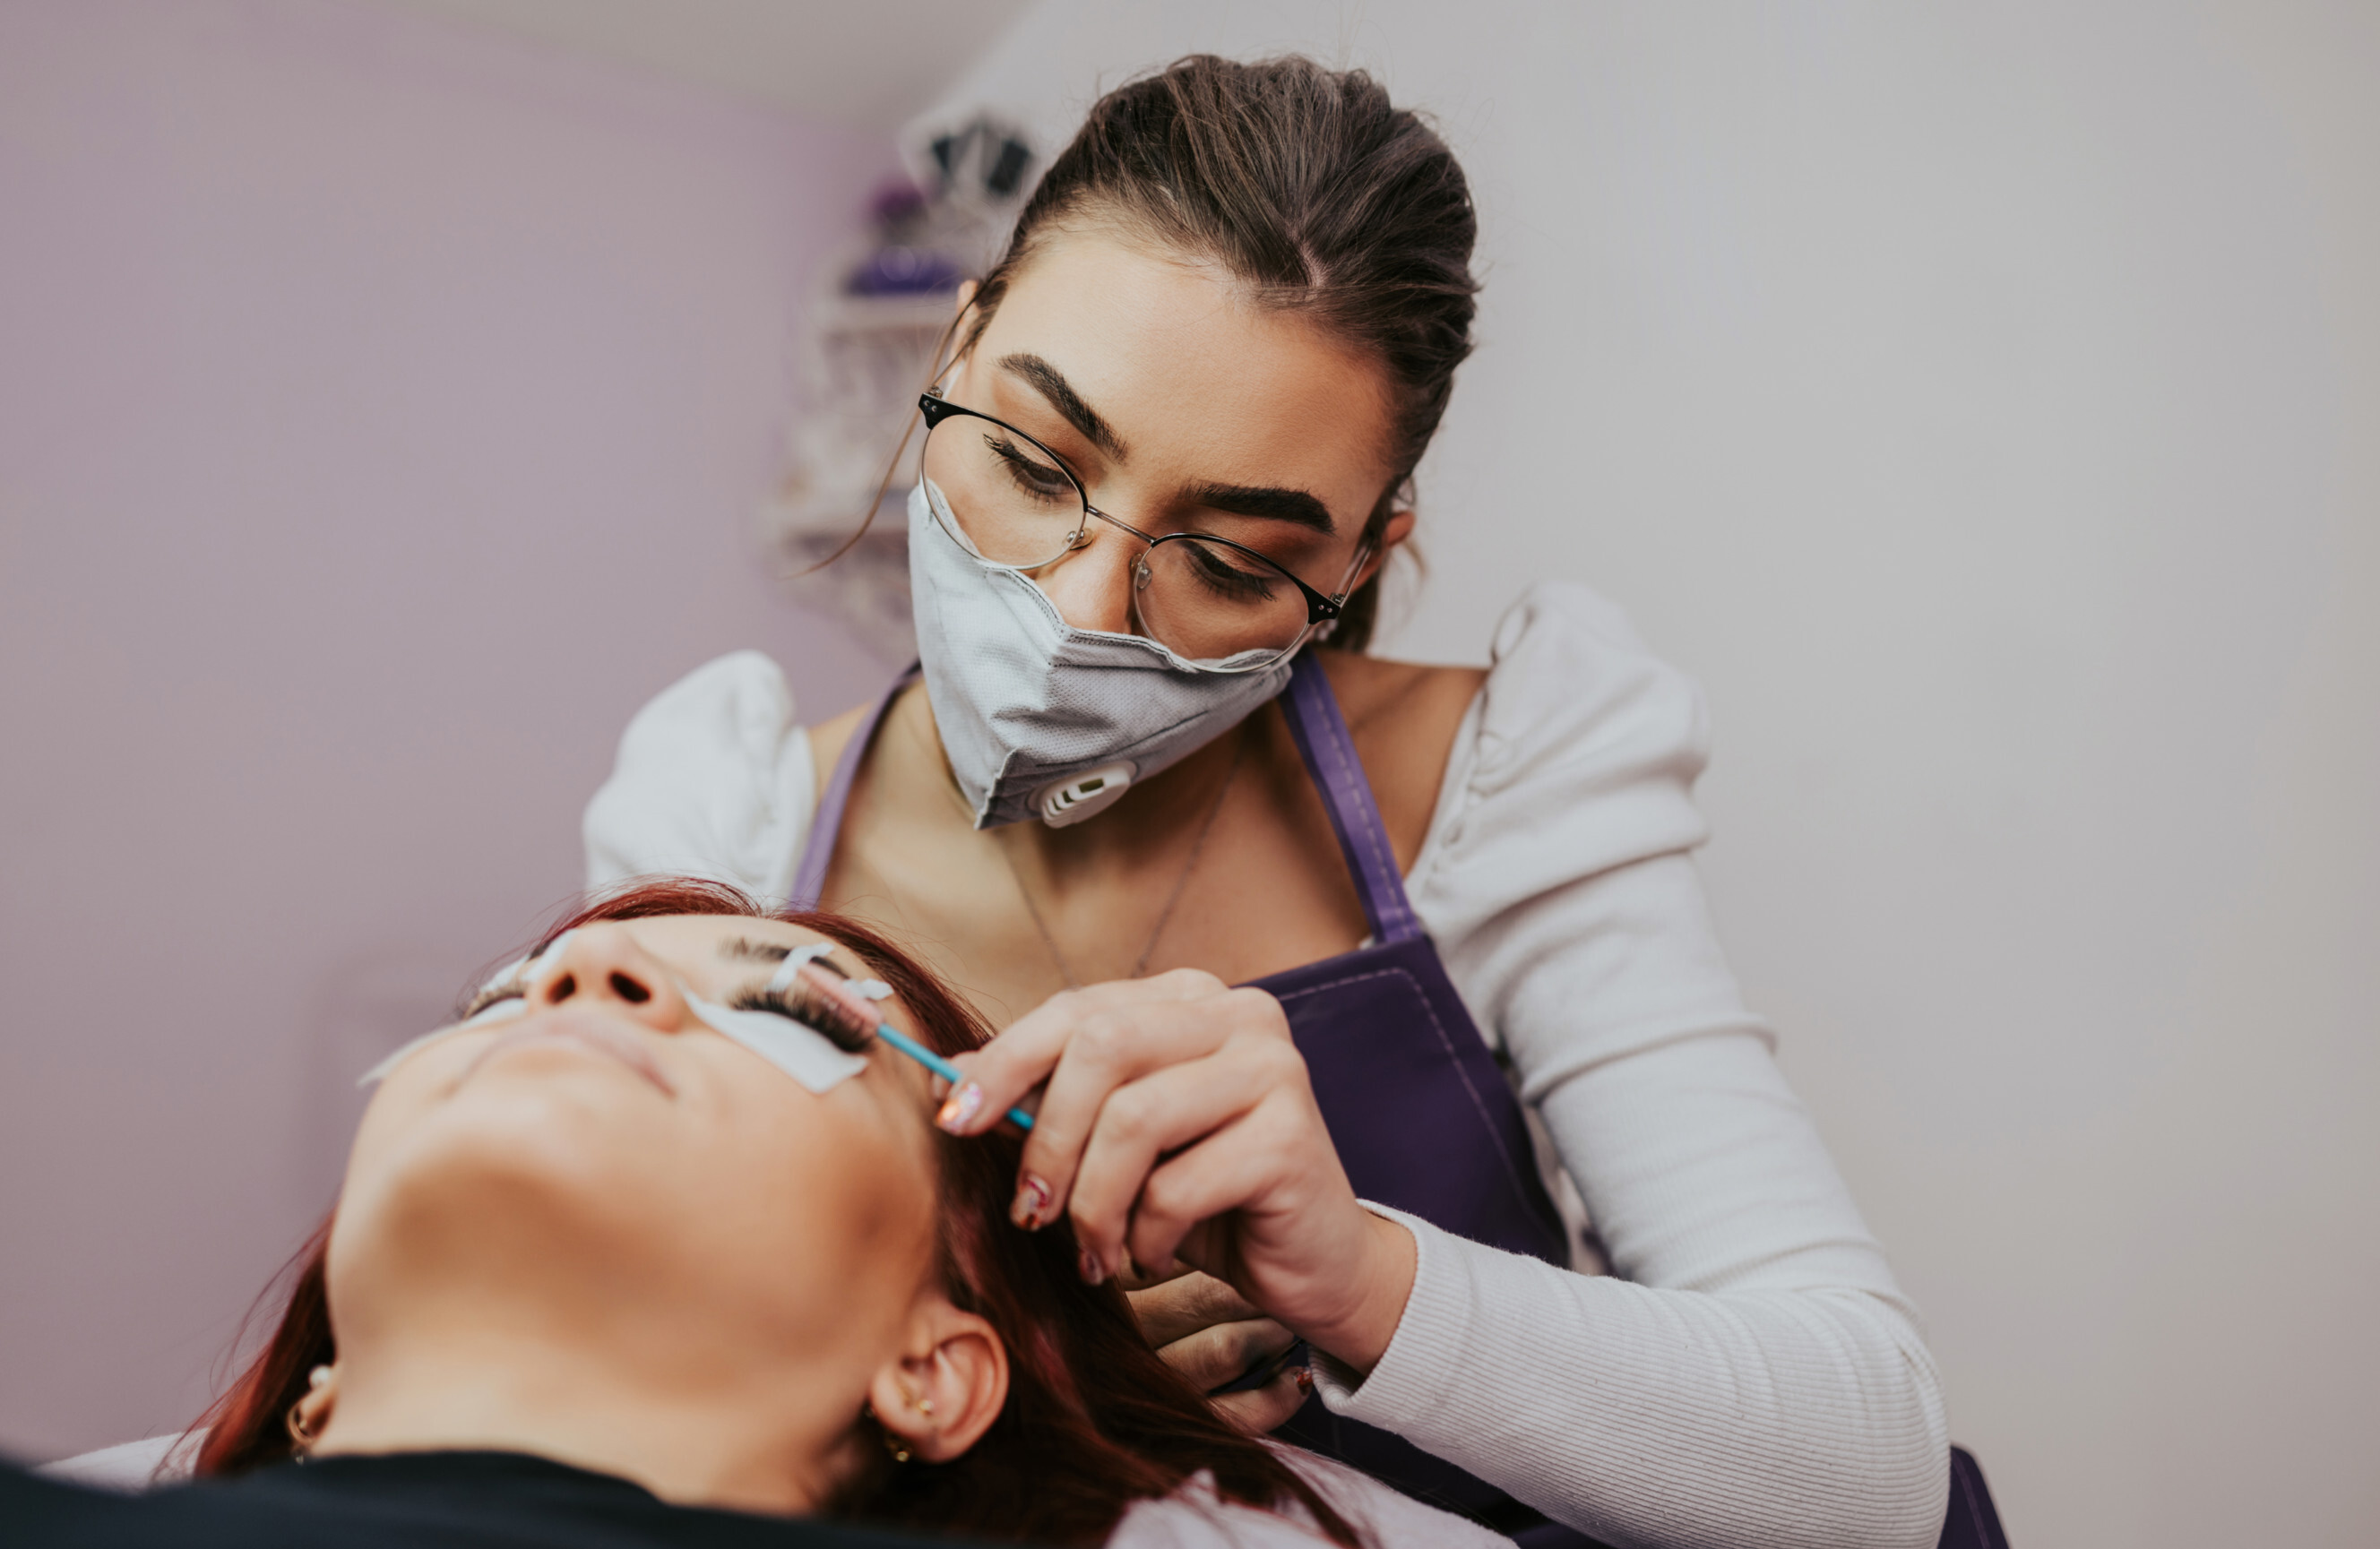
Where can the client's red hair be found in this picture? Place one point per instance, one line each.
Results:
(1066, 1456)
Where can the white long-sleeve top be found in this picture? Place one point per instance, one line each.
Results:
(1748, 1374)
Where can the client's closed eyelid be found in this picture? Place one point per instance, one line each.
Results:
(493, 995)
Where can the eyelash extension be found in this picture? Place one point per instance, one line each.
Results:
(850, 1022)
(799, 1002)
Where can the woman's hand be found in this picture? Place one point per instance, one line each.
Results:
(1177, 1124)
(1211, 1334)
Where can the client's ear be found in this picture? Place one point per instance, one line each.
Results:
(946, 1388)
(307, 1417)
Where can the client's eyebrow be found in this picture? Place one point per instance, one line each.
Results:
(743, 949)
(1051, 384)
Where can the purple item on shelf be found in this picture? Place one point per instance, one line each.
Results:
(897, 270)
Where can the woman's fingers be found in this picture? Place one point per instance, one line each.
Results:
(1107, 1052)
(1160, 1113)
(1267, 1408)
(1211, 1335)
(1021, 1059)
(1133, 1278)
(1184, 1303)
(1277, 1153)
(1225, 1353)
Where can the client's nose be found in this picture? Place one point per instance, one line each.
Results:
(601, 964)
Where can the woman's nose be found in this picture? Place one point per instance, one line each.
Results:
(602, 965)
(1092, 584)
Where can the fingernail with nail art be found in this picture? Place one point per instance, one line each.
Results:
(960, 1107)
(1032, 1203)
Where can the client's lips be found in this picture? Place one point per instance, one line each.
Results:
(589, 1030)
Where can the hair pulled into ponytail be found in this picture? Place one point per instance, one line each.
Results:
(1310, 187)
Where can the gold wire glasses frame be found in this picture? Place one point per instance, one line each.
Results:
(1233, 600)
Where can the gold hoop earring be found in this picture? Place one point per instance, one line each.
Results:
(896, 1447)
(296, 1420)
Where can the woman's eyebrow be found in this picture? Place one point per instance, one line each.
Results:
(1046, 379)
(1294, 506)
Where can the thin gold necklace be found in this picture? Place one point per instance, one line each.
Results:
(1164, 915)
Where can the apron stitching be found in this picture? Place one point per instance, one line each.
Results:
(1470, 1089)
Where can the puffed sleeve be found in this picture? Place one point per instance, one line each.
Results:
(1750, 1374)
(713, 779)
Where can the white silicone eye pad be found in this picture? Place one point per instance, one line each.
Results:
(800, 1052)
(501, 1011)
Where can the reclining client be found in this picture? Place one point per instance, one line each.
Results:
(649, 1249)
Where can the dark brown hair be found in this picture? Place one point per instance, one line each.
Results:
(1313, 190)
(1093, 1420)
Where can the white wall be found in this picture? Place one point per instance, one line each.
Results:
(1981, 401)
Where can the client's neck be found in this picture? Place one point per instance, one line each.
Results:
(750, 1447)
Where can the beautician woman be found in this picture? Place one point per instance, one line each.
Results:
(1148, 758)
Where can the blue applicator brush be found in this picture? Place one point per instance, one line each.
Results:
(844, 1011)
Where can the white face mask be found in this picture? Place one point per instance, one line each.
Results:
(1043, 719)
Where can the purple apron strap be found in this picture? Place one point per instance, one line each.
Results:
(826, 823)
(1329, 754)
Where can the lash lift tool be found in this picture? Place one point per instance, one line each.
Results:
(844, 1009)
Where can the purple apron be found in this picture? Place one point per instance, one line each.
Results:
(1421, 1115)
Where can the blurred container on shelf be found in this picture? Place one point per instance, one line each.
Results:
(867, 351)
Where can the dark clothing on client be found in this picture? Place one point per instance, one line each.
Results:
(420, 1500)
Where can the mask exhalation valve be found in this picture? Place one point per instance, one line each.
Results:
(1062, 802)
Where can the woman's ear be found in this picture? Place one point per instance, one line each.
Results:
(1399, 527)
(939, 1396)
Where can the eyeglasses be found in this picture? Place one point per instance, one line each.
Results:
(1219, 605)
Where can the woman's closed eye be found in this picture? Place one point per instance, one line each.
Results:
(1229, 577)
(1034, 477)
